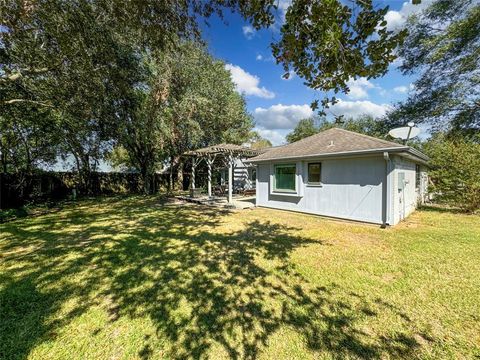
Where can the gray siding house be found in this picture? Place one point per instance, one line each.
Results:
(343, 174)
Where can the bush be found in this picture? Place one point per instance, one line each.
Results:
(455, 172)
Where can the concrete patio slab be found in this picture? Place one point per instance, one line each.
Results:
(238, 202)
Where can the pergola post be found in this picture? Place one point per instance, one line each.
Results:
(210, 160)
(192, 178)
(230, 177)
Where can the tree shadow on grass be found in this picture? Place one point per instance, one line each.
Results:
(203, 287)
(25, 315)
(23, 310)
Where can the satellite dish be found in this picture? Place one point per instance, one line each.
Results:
(405, 133)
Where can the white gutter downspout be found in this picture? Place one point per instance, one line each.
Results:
(386, 191)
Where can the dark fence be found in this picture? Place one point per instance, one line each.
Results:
(17, 190)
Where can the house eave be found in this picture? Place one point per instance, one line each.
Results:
(401, 150)
(330, 155)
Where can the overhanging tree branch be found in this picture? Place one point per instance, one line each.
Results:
(14, 101)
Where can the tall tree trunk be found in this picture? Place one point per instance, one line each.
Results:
(85, 174)
(4, 162)
(145, 178)
(170, 176)
(83, 168)
(180, 174)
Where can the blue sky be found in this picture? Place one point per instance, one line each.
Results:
(277, 104)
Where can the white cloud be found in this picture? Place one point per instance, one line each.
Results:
(248, 31)
(356, 108)
(403, 89)
(275, 137)
(259, 57)
(280, 15)
(275, 122)
(281, 116)
(284, 4)
(359, 88)
(396, 19)
(247, 83)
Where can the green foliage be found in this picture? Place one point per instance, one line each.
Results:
(68, 63)
(119, 159)
(199, 100)
(88, 65)
(363, 124)
(325, 42)
(27, 139)
(443, 47)
(187, 101)
(329, 42)
(99, 73)
(305, 128)
(455, 171)
(257, 141)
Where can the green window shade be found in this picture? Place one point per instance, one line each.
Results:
(285, 177)
(314, 173)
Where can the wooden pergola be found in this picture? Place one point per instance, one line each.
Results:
(229, 153)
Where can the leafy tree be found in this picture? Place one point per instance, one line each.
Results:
(305, 128)
(204, 108)
(368, 125)
(257, 142)
(65, 58)
(119, 159)
(325, 42)
(455, 171)
(329, 42)
(187, 101)
(443, 47)
(80, 61)
(364, 124)
(26, 141)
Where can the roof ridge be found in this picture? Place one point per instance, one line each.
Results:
(349, 132)
(330, 142)
(311, 136)
(369, 137)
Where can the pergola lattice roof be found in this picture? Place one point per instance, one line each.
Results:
(232, 149)
(229, 151)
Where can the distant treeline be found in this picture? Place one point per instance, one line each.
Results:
(17, 190)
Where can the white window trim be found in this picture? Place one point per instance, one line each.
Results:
(289, 191)
(298, 180)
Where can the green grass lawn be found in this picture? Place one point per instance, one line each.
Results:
(140, 278)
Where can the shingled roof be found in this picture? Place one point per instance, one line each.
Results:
(331, 142)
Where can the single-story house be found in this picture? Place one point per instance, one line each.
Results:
(343, 174)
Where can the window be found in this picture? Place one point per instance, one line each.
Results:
(314, 173)
(284, 178)
(417, 176)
